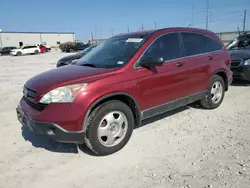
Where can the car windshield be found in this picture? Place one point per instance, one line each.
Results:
(233, 44)
(239, 42)
(86, 50)
(114, 52)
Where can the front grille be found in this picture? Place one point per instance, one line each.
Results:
(37, 106)
(235, 63)
(29, 93)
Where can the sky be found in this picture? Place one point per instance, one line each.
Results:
(106, 17)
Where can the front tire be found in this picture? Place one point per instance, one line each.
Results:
(36, 52)
(215, 94)
(18, 53)
(109, 127)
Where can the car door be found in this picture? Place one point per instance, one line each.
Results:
(163, 84)
(25, 50)
(198, 58)
(31, 49)
(5, 50)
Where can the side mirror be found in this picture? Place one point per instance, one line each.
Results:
(151, 62)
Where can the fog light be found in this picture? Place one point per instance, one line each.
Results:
(51, 131)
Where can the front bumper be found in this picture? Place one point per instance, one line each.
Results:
(52, 122)
(51, 130)
(241, 72)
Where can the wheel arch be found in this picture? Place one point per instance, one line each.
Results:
(121, 96)
(224, 76)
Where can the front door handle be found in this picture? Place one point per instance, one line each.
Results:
(210, 57)
(179, 64)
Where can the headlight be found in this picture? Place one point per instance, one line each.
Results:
(65, 94)
(247, 62)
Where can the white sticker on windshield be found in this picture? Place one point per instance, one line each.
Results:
(120, 62)
(134, 40)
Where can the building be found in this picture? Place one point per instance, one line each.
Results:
(97, 41)
(28, 38)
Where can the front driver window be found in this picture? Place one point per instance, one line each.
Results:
(167, 47)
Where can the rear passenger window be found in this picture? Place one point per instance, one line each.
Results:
(194, 43)
(167, 47)
(213, 45)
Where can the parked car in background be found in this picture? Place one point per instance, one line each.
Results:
(48, 48)
(75, 46)
(62, 46)
(127, 78)
(43, 48)
(29, 49)
(6, 50)
(239, 49)
(73, 58)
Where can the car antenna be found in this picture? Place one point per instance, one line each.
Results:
(238, 30)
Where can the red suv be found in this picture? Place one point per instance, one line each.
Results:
(130, 77)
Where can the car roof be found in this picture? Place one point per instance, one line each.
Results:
(150, 32)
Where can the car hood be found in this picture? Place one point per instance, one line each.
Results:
(71, 57)
(240, 54)
(69, 74)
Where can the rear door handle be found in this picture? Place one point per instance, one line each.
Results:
(179, 64)
(210, 57)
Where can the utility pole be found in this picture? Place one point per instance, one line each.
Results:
(100, 31)
(192, 16)
(142, 27)
(112, 32)
(95, 31)
(244, 20)
(155, 25)
(1, 39)
(128, 29)
(207, 11)
(92, 37)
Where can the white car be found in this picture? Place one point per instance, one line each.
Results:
(32, 49)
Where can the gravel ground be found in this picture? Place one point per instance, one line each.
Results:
(188, 147)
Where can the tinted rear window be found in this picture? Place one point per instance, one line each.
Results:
(213, 45)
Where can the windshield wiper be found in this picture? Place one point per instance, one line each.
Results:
(88, 65)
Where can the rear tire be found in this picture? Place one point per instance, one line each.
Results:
(19, 53)
(215, 93)
(109, 127)
(71, 50)
(36, 52)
